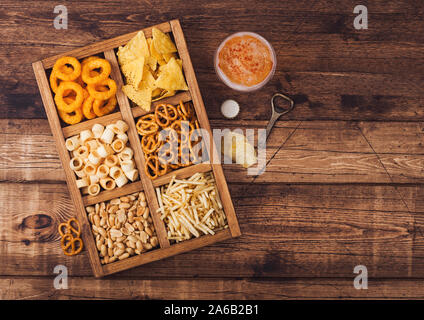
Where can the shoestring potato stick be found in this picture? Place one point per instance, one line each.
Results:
(191, 207)
(100, 159)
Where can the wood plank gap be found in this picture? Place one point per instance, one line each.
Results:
(105, 45)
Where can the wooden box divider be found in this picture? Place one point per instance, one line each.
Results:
(138, 152)
(202, 117)
(129, 115)
(107, 195)
(84, 125)
(53, 118)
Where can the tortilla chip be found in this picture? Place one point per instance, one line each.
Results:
(125, 55)
(168, 56)
(158, 57)
(171, 77)
(148, 80)
(139, 60)
(141, 97)
(134, 71)
(164, 94)
(138, 45)
(156, 93)
(162, 42)
(151, 62)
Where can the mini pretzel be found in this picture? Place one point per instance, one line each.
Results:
(167, 118)
(174, 166)
(194, 142)
(68, 241)
(70, 235)
(195, 124)
(147, 125)
(165, 114)
(69, 229)
(178, 127)
(185, 112)
(184, 156)
(150, 143)
(154, 168)
(167, 154)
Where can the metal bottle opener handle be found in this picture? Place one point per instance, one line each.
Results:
(278, 111)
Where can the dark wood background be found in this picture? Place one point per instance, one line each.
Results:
(344, 181)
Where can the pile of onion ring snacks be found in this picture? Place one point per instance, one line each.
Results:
(82, 90)
(101, 159)
(150, 126)
(191, 207)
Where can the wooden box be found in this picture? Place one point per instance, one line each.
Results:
(128, 114)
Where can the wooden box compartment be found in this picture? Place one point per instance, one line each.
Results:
(129, 114)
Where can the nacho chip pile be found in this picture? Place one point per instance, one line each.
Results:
(151, 68)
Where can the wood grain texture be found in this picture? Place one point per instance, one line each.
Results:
(54, 122)
(127, 116)
(107, 45)
(297, 152)
(332, 70)
(114, 193)
(202, 117)
(288, 231)
(214, 289)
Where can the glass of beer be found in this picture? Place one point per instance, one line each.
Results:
(245, 61)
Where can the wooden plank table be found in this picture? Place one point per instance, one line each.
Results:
(344, 179)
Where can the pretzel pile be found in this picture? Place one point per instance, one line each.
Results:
(159, 161)
(71, 243)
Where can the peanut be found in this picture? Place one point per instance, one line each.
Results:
(124, 256)
(122, 227)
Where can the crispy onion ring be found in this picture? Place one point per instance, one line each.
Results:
(59, 97)
(97, 90)
(101, 108)
(87, 108)
(63, 74)
(54, 80)
(88, 59)
(73, 117)
(92, 64)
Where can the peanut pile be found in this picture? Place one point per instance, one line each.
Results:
(122, 227)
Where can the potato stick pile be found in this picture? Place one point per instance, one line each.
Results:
(191, 207)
